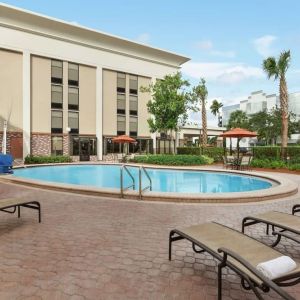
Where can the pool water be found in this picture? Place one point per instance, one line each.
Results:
(163, 180)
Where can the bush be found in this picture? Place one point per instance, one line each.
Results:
(294, 167)
(189, 150)
(214, 152)
(31, 159)
(174, 160)
(293, 152)
(266, 152)
(268, 163)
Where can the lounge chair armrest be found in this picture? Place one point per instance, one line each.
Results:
(286, 235)
(267, 282)
(296, 208)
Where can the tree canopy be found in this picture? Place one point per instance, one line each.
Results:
(238, 119)
(170, 103)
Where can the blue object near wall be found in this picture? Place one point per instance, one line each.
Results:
(6, 163)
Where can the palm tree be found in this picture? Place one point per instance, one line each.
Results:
(215, 110)
(277, 69)
(200, 93)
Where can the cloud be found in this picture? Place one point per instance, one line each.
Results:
(204, 45)
(227, 73)
(207, 46)
(143, 38)
(263, 45)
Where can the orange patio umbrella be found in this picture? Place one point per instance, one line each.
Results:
(123, 139)
(238, 133)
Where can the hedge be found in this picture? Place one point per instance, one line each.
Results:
(266, 152)
(31, 159)
(293, 152)
(214, 152)
(173, 160)
(268, 163)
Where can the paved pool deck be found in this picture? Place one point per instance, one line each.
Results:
(90, 247)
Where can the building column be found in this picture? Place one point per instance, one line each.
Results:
(26, 103)
(153, 135)
(99, 112)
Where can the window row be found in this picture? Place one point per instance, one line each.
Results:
(121, 104)
(121, 125)
(57, 97)
(57, 121)
(57, 73)
(121, 84)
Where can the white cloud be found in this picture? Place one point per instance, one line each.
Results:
(207, 46)
(228, 73)
(204, 45)
(263, 45)
(143, 38)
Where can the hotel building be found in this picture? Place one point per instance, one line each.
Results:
(67, 89)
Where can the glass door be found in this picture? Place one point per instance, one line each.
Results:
(84, 150)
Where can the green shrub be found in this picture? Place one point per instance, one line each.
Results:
(266, 152)
(31, 159)
(189, 150)
(293, 152)
(174, 160)
(268, 163)
(294, 167)
(214, 152)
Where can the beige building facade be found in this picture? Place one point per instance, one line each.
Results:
(68, 90)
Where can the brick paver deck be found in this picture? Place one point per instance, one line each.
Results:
(97, 248)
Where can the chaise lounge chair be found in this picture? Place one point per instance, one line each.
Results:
(6, 162)
(283, 221)
(296, 208)
(12, 204)
(240, 253)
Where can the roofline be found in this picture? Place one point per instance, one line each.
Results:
(181, 58)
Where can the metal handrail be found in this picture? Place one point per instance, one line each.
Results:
(142, 168)
(124, 167)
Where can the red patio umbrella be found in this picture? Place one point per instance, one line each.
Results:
(123, 139)
(238, 133)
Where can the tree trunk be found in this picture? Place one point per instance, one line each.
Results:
(204, 124)
(283, 95)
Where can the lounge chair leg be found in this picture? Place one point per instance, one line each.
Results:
(19, 211)
(267, 230)
(170, 245)
(39, 208)
(220, 267)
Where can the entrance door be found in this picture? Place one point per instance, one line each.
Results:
(84, 150)
(16, 147)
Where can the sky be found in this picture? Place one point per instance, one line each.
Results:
(226, 40)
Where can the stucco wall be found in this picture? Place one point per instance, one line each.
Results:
(143, 115)
(11, 105)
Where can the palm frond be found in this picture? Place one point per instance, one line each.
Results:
(270, 67)
(284, 61)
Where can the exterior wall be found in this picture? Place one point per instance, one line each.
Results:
(11, 91)
(87, 100)
(109, 103)
(40, 95)
(9, 136)
(143, 115)
(40, 144)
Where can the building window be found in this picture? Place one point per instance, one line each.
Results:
(73, 74)
(133, 85)
(73, 122)
(56, 96)
(121, 125)
(56, 71)
(133, 126)
(93, 146)
(74, 145)
(73, 98)
(133, 105)
(121, 83)
(57, 145)
(56, 121)
(121, 104)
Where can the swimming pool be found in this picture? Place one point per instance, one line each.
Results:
(163, 180)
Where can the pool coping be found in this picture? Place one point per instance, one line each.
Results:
(284, 187)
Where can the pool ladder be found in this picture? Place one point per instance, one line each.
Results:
(141, 189)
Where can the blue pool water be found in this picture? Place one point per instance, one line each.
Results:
(163, 180)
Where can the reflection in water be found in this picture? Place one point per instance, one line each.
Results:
(163, 180)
